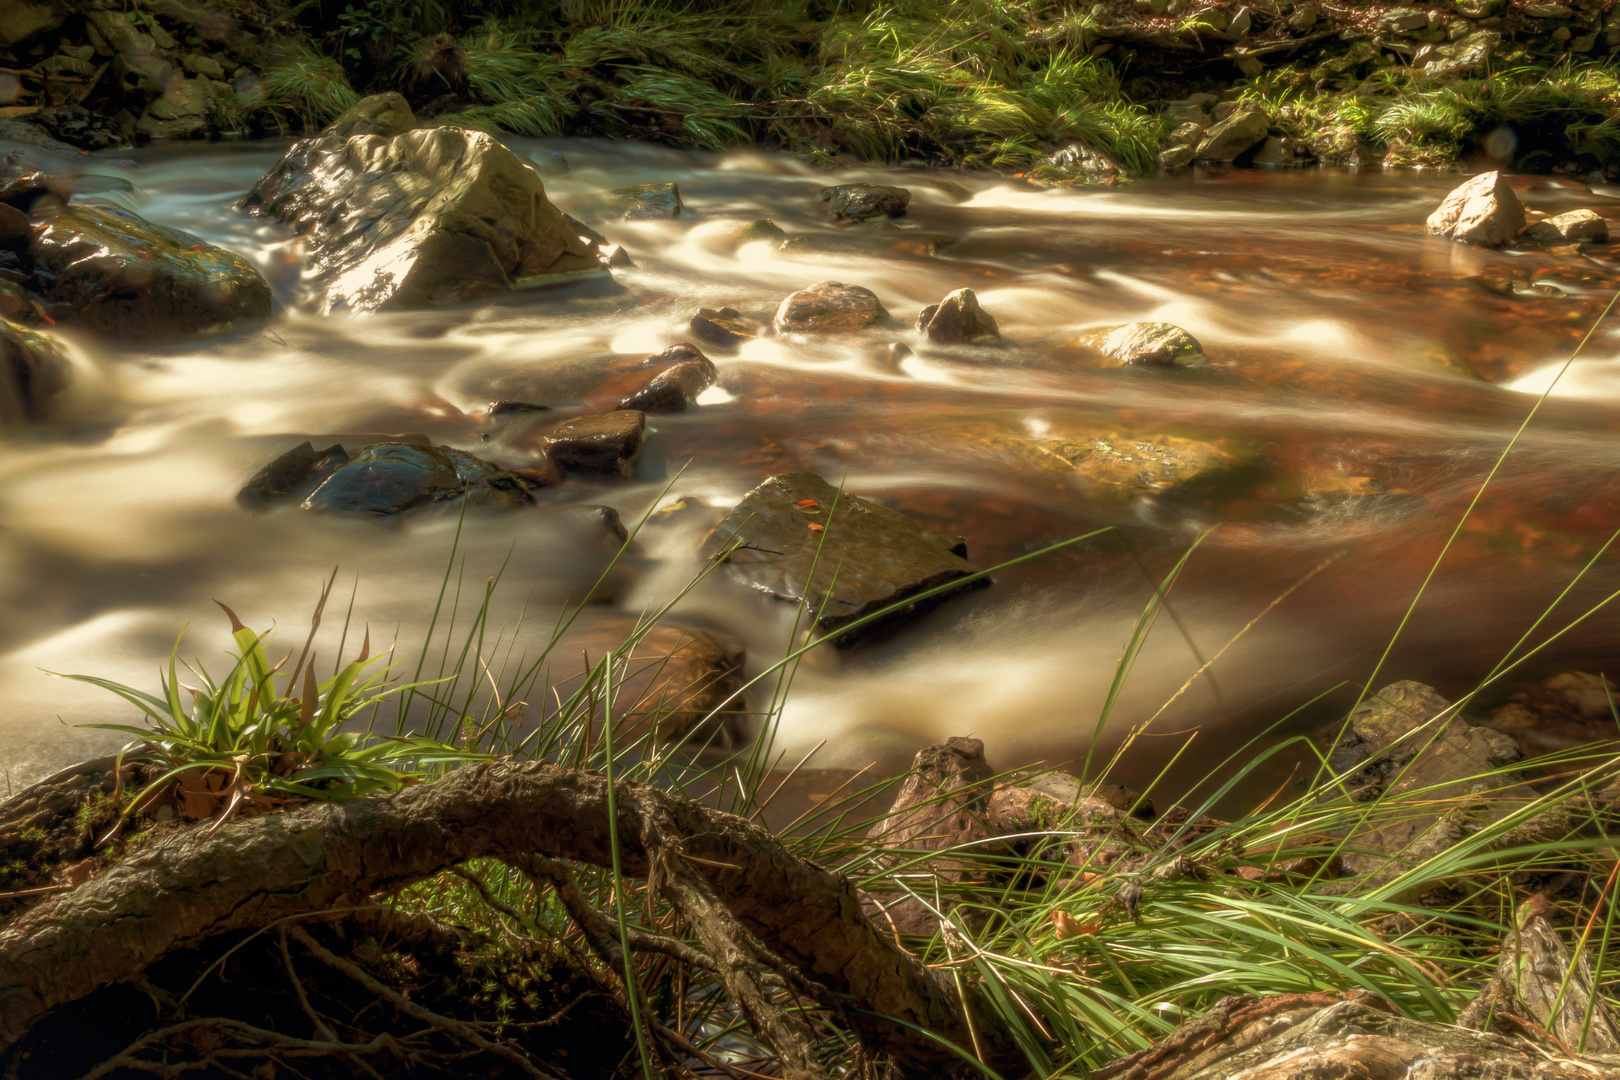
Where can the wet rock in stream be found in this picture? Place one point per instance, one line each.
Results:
(640, 202)
(865, 556)
(114, 272)
(1144, 345)
(830, 307)
(604, 444)
(1577, 226)
(32, 369)
(865, 202)
(390, 478)
(291, 475)
(724, 328)
(1483, 211)
(957, 319)
(664, 382)
(428, 216)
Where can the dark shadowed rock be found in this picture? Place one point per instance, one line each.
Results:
(391, 478)
(1483, 211)
(1577, 226)
(1144, 345)
(865, 202)
(27, 189)
(1246, 128)
(683, 680)
(16, 231)
(508, 407)
(385, 114)
(109, 270)
(32, 368)
(606, 443)
(957, 319)
(724, 328)
(870, 556)
(829, 307)
(642, 202)
(662, 383)
(430, 216)
(292, 475)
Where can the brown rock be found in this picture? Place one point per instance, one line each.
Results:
(604, 443)
(1571, 228)
(957, 319)
(385, 114)
(1484, 211)
(1144, 345)
(1407, 738)
(662, 383)
(724, 328)
(830, 307)
(865, 202)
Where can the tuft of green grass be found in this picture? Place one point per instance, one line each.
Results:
(309, 84)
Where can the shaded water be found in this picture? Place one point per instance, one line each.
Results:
(1336, 331)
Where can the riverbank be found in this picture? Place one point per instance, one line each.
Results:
(1122, 88)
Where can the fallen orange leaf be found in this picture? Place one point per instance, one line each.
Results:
(1068, 926)
(817, 528)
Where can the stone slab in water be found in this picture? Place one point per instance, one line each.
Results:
(430, 216)
(391, 478)
(642, 202)
(870, 556)
(114, 272)
(606, 443)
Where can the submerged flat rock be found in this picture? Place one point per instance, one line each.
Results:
(428, 216)
(863, 556)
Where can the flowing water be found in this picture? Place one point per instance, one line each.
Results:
(1338, 336)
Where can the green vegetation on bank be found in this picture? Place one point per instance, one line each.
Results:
(980, 83)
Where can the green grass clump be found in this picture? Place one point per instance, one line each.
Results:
(262, 743)
(309, 84)
(969, 85)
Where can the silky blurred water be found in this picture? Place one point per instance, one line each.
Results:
(1337, 334)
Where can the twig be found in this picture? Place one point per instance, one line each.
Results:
(322, 1032)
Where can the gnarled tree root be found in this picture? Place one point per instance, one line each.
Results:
(765, 906)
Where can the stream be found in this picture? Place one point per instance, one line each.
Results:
(1365, 376)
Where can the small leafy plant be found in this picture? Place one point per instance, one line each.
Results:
(248, 743)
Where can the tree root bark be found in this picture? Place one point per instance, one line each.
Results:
(752, 902)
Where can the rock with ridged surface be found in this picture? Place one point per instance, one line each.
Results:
(428, 216)
(865, 202)
(1483, 211)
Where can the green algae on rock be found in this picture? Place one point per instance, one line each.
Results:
(112, 271)
(430, 216)
(796, 537)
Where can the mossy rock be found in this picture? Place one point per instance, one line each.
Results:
(114, 272)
